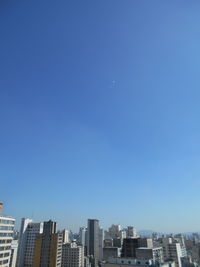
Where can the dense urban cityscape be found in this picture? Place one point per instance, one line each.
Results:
(41, 244)
(99, 133)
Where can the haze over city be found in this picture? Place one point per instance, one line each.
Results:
(99, 112)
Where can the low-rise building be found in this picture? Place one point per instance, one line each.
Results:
(111, 252)
(123, 262)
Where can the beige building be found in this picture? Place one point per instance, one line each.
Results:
(28, 232)
(48, 247)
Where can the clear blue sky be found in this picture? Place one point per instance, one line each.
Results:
(100, 112)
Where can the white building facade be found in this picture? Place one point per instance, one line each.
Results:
(6, 237)
(13, 256)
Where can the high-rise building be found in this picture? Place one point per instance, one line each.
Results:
(180, 239)
(101, 238)
(131, 232)
(114, 231)
(6, 237)
(48, 247)
(65, 236)
(123, 234)
(94, 241)
(172, 250)
(82, 236)
(22, 241)
(28, 233)
(72, 255)
(13, 256)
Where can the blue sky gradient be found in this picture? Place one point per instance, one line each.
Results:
(100, 113)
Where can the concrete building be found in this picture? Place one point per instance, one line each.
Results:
(108, 243)
(155, 254)
(111, 252)
(131, 244)
(6, 237)
(101, 238)
(129, 247)
(180, 239)
(22, 241)
(146, 242)
(94, 241)
(82, 236)
(13, 256)
(114, 231)
(28, 233)
(172, 251)
(72, 255)
(117, 242)
(65, 236)
(131, 232)
(48, 247)
(123, 262)
(123, 234)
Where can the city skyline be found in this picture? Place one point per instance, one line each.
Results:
(99, 112)
(141, 231)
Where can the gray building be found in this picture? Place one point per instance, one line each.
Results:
(131, 244)
(72, 255)
(28, 233)
(155, 254)
(111, 252)
(94, 241)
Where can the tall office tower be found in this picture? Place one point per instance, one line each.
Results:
(94, 241)
(13, 256)
(28, 233)
(72, 255)
(123, 234)
(82, 236)
(48, 247)
(172, 251)
(131, 232)
(114, 231)
(180, 239)
(22, 241)
(65, 236)
(6, 237)
(101, 238)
